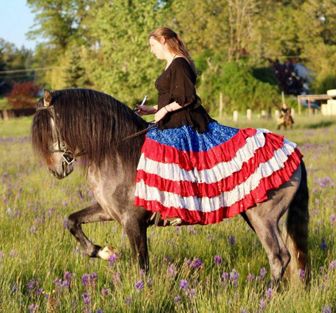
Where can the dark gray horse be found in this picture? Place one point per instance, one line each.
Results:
(95, 128)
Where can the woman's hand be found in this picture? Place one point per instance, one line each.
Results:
(144, 109)
(159, 115)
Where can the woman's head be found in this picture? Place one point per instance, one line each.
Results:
(163, 40)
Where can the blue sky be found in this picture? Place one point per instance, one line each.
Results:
(15, 21)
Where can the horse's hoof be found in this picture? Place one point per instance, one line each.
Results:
(105, 253)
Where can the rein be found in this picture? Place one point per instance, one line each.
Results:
(140, 132)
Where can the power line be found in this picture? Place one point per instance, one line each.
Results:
(30, 69)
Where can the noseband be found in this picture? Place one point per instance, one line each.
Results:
(68, 156)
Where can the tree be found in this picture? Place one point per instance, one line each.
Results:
(119, 61)
(74, 73)
(23, 95)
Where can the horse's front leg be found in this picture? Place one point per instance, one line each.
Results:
(136, 230)
(91, 214)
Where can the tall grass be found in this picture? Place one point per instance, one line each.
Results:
(217, 268)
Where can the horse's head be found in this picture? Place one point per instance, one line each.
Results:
(47, 139)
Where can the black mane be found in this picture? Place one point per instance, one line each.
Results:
(92, 122)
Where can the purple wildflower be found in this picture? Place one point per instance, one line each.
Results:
(269, 293)
(128, 300)
(218, 259)
(325, 182)
(332, 265)
(14, 288)
(171, 270)
(116, 278)
(177, 299)
(86, 298)
(105, 292)
(86, 280)
(33, 229)
(139, 285)
(32, 308)
(149, 282)
(93, 278)
(196, 263)
(191, 293)
(234, 275)
(333, 218)
(32, 285)
(225, 276)
(142, 272)
(99, 311)
(302, 274)
(192, 230)
(262, 304)
(183, 284)
(113, 259)
(262, 273)
(232, 240)
(67, 276)
(326, 309)
(250, 277)
(323, 245)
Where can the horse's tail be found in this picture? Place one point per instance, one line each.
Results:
(297, 231)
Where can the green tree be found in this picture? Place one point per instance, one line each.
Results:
(74, 74)
(119, 61)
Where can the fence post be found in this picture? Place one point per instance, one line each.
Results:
(276, 114)
(5, 115)
(220, 105)
(249, 114)
(235, 116)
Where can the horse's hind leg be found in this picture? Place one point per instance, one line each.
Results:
(136, 230)
(268, 234)
(265, 220)
(91, 214)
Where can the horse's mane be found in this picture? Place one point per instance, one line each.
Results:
(91, 122)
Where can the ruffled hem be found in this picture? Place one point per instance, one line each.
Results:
(186, 188)
(257, 195)
(188, 159)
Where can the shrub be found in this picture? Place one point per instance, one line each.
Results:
(240, 88)
(23, 95)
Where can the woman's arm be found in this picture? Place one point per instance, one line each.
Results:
(145, 109)
(160, 114)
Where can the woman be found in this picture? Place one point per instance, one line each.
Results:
(191, 167)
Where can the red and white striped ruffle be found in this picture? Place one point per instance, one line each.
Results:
(207, 186)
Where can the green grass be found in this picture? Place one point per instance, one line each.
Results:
(4, 105)
(36, 249)
(17, 127)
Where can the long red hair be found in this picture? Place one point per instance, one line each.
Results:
(173, 42)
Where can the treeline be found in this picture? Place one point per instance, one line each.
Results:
(104, 45)
(12, 61)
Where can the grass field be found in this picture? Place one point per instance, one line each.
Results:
(218, 268)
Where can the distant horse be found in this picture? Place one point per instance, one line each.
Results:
(285, 118)
(97, 129)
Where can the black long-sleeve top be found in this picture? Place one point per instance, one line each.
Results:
(177, 83)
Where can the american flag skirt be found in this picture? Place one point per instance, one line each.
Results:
(203, 178)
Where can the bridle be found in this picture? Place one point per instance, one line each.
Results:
(68, 156)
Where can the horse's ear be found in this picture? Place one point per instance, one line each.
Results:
(46, 98)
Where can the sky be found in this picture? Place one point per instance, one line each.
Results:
(15, 21)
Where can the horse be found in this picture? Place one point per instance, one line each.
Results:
(105, 136)
(285, 118)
